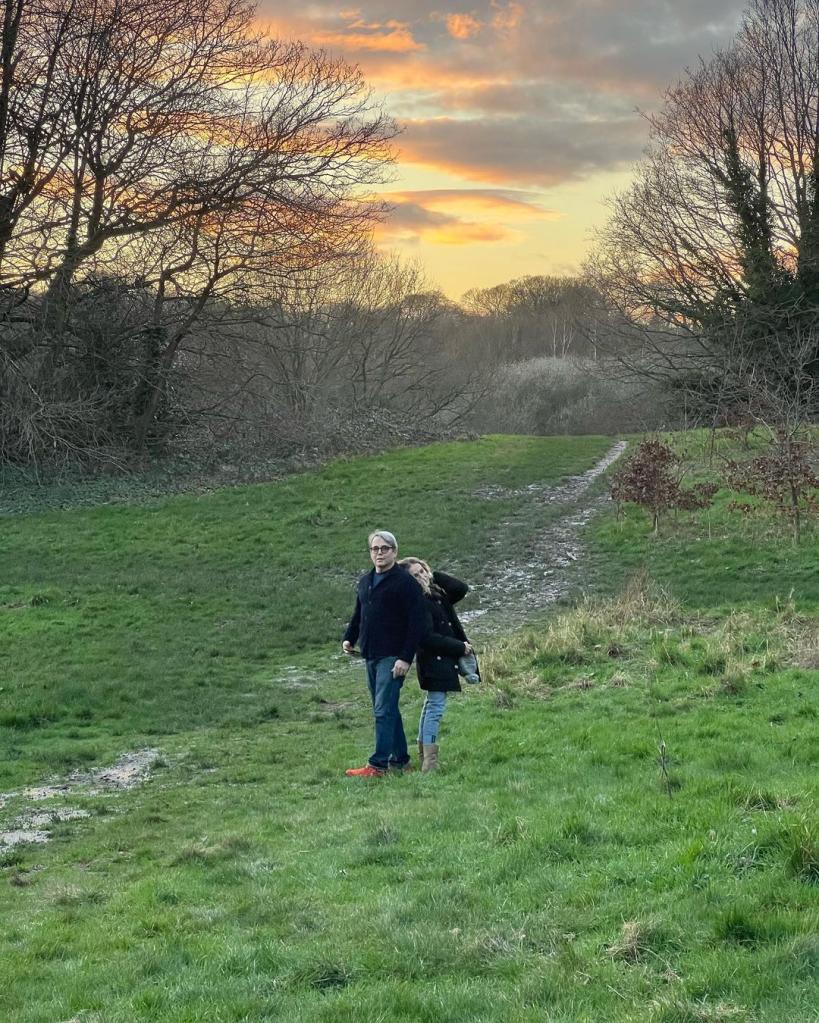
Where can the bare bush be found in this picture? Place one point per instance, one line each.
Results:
(566, 396)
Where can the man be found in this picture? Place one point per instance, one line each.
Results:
(390, 620)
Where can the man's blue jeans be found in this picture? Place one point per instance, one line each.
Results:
(385, 691)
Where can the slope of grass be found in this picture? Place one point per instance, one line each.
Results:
(625, 827)
(121, 624)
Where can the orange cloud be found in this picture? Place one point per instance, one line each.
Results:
(463, 26)
(502, 202)
(463, 233)
(419, 74)
(413, 219)
(379, 37)
(458, 232)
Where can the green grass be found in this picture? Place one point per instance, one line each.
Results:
(123, 624)
(717, 558)
(562, 867)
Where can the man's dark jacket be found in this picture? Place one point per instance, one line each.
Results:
(390, 619)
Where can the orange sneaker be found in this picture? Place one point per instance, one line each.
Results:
(368, 771)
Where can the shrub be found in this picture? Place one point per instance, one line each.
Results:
(783, 478)
(652, 479)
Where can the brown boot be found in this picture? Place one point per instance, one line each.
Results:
(430, 757)
(420, 753)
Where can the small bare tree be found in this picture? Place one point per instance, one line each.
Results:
(779, 398)
(652, 479)
(784, 478)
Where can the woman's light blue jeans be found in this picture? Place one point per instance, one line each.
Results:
(431, 714)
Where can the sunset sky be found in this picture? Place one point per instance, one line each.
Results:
(519, 117)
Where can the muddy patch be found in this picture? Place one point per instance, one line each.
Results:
(130, 770)
(31, 823)
(8, 839)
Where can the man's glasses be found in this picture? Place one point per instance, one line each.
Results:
(381, 550)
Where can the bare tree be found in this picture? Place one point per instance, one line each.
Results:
(534, 316)
(709, 261)
(388, 317)
(349, 350)
(175, 146)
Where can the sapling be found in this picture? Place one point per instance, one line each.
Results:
(652, 479)
(783, 478)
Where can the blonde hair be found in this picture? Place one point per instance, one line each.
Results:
(423, 583)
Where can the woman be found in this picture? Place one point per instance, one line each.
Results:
(437, 658)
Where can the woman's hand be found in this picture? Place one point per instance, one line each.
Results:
(468, 649)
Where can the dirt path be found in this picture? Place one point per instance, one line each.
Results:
(540, 573)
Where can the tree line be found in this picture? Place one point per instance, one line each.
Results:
(186, 215)
(167, 170)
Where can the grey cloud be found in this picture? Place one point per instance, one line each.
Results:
(544, 99)
(637, 49)
(511, 198)
(412, 218)
(413, 215)
(523, 151)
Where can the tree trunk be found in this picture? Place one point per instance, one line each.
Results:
(149, 390)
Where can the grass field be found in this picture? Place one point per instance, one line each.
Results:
(625, 827)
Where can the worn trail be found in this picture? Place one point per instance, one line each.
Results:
(519, 587)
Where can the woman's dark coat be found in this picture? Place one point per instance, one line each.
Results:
(438, 653)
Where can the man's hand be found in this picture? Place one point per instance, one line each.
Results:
(400, 668)
(347, 646)
(468, 649)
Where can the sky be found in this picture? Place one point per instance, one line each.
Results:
(519, 117)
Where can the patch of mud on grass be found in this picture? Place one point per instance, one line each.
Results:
(31, 823)
(130, 770)
(8, 839)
